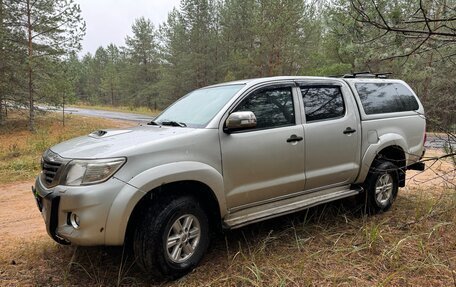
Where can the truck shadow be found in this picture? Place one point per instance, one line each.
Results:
(116, 265)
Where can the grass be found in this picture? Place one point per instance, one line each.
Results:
(330, 245)
(20, 150)
(126, 109)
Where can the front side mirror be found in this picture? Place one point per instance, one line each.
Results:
(240, 121)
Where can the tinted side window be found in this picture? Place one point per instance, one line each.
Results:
(272, 107)
(322, 103)
(379, 98)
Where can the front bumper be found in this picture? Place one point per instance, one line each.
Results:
(91, 204)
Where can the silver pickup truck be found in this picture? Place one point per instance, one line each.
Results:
(229, 155)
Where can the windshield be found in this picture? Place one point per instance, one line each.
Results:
(197, 108)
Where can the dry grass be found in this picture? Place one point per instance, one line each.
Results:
(414, 244)
(20, 150)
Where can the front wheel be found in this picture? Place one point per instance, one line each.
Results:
(381, 187)
(172, 237)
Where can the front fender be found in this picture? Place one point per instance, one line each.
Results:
(140, 185)
(384, 141)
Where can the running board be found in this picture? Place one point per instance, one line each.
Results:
(286, 206)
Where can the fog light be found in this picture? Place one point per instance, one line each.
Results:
(74, 220)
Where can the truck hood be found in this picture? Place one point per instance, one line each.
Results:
(116, 142)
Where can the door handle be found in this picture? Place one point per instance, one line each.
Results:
(349, 130)
(294, 138)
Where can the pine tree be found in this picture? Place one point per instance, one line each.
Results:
(142, 49)
(238, 38)
(52, 28)
(110, 78)
(12, 60)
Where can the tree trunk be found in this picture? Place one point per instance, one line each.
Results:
(2, 118)
(63, 109)
(427, 80)
(112, 94)
(30, 70)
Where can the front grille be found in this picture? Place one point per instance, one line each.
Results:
(50, 169)
(51, 165)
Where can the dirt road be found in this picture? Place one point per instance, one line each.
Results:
(19, 215)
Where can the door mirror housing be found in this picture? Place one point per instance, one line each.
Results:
(240, 121)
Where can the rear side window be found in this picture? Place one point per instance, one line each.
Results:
(322, 103)
(273, 107)
(378, 98)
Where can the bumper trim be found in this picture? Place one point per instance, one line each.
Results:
(38, 200)
(50, 205)
(53, 220)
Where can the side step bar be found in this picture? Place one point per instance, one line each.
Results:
(282, 207)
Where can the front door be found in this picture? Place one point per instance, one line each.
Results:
(266, 162)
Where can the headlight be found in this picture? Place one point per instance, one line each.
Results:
(84, 172)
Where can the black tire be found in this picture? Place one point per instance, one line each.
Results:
(151, 237)
(378, 197)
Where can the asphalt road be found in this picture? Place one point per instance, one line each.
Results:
(431, 142)
(103, 114)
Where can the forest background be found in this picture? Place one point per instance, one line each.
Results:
(204, 42)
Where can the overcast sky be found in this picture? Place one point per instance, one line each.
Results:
(109, 21)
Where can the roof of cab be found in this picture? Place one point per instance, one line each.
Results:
(254, 81)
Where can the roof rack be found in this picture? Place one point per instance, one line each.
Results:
(364, 75)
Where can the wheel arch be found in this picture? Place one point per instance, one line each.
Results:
(391, 147)
(198, 190)
(205, 183)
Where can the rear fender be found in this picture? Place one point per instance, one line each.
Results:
(373, 150)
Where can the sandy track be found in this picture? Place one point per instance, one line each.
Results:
(19, 215)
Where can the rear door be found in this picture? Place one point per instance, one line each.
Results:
(266, 162)
(332, 134)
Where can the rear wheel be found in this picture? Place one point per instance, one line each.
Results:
(381, 187)
(172, 237)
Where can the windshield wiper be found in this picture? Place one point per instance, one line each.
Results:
(153, 123)
(174, 124)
